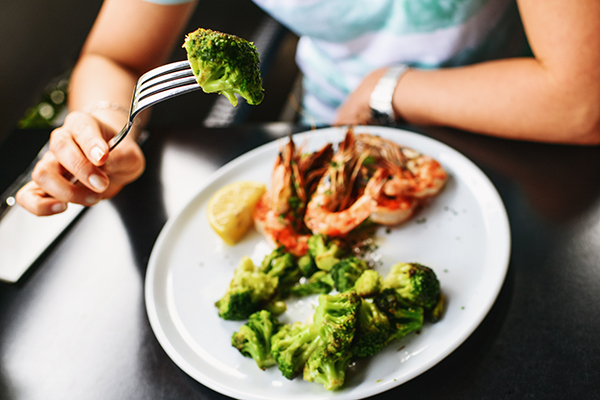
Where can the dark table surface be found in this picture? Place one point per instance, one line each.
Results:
(75, 326)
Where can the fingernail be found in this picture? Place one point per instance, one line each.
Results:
(97, 153)
(59, 207)
(97, 182)
(91, 200)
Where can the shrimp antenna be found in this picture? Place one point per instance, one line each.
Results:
(300, 111)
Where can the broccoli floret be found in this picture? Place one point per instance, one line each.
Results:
(372, 330)
(435, 314)
(249, 290)
(275, 306)
(319, 283)
(368, 284)
(307, 265)
(282, 265)
(336, 315)
(404, 318)
(254, 338)
(326, 368)
(325, 251)
(346, 272)
(268, 261)
(416, 283)
(332, 330)
(292, 345)
(225, 64)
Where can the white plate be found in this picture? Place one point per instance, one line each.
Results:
(463, 235)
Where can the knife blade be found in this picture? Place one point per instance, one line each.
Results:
(24, 237)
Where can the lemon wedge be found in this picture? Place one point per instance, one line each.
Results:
(229, 210)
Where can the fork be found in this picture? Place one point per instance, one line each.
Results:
(159, 84)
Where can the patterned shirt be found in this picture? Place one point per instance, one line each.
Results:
(341, 41)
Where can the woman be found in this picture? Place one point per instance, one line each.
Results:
(457, 63)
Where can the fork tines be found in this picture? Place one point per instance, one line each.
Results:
(162, 83)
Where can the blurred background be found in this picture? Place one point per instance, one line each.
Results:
(40, 42)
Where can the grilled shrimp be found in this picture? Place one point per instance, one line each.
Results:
(422, 177)
(279, 229)
(328, 193)
(412, 174)
(279, 212)
(394, 210)
(334, 209)
(320, 215)
(411, 178)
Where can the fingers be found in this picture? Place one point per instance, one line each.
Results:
(91, 136)
(80, 147)
(36, 201)
(350, 115)
(125, 164)
(48, 176)
(356, 110)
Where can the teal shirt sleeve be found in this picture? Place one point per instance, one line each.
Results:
(169, 2)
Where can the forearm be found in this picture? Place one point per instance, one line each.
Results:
(129, 38)
(97, 80)
(553, 97)
(515, 98)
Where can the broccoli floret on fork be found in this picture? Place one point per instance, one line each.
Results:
(225, 64)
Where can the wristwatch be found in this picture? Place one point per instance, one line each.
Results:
(380, 102)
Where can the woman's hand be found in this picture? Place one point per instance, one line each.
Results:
(356, 109)
(80, 149)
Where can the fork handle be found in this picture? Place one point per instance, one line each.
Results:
(112, 143)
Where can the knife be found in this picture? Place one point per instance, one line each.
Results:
(24, 236)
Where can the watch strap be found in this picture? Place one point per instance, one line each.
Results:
(381, 97)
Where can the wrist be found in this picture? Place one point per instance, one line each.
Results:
(382, 110)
